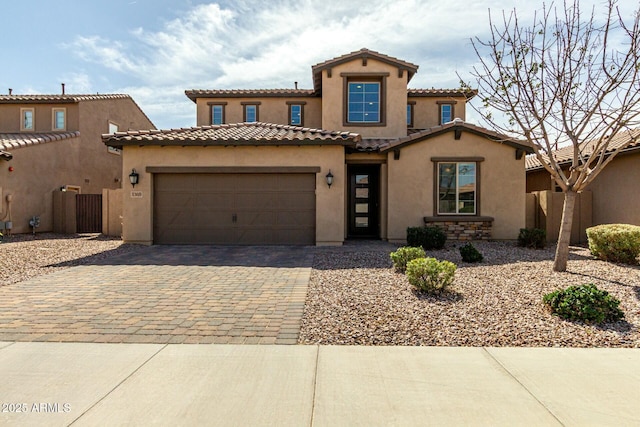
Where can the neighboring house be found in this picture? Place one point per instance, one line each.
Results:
(359, 155)
(614, 192)
(53, 142)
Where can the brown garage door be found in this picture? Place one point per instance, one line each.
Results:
(238, 209)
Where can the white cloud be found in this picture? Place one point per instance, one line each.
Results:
(256, 44)
(77, 83)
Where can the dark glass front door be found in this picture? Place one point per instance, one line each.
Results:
(364, 189)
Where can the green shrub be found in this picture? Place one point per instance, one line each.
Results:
(535, 238)
(430, 275)
(615, 242)
(469, 253)
(405, 254)
(426, 237)
(586, 303)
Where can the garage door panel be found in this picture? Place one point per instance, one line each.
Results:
(211, 200)
(208, 218)
(260, 200)
(170, 199)
(256, 182)
(218, 182)
(297, 219)
(244, 209)
(174, 218)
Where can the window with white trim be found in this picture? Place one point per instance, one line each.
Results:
(59, 119)
(27, 119)
(457, 192)
(250, 113)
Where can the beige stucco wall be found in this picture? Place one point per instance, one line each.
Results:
(84, 161)
(138, 212)
(411, 186)
(395, 105)
(270, 110)
(616, 198)
(38, 171)
(539, 180)
(43, 117)
(426, 112)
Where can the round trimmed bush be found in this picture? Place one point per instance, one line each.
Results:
(430, 275)
(615, 242)
(403, 255)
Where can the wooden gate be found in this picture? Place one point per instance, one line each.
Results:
(89, 213)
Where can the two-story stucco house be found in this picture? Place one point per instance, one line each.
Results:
(359, 155)
(51, 142)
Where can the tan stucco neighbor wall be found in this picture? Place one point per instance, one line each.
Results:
(333, 99)
(270, 110)
(138, 212)
(616, 198)
(411, 183)
(82, 161)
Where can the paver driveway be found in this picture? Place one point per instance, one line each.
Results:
(166, 294)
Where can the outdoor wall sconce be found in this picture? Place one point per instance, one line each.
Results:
(134, 177)
(329, 178)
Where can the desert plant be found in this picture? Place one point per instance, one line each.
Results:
(426, 237)
(535, 238)
(430, 275)
(586, 303)
(615, 242)
(403, 255)
(469, 253)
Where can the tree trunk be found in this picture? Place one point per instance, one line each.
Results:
(564, 238)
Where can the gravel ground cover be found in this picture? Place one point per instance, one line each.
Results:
(23, 256)
(356, 298)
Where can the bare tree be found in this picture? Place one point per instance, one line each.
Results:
(564, 79)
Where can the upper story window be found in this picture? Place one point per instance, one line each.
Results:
(296, 113)
(217, 112)
(59, 119)
(113, 128)
(446, 112)
(250, 111)
(457, 188)
(410, 112)
(364, 102)
(27, 119)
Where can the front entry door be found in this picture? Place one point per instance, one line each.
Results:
(364, 188)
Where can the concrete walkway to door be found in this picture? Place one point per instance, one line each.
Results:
(165, 294)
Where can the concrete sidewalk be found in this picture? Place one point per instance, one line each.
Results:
(142, 384)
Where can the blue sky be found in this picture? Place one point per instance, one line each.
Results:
(155, 49)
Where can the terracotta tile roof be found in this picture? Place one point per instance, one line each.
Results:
(10, 141)
(233, 134)
(57, 99)
(456, 125)
(364, 54)
(564, 155)
(416, 93)
(194, 94)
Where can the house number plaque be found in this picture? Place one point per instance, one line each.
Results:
(136, 194)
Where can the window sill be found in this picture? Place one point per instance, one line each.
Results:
(460, 218)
